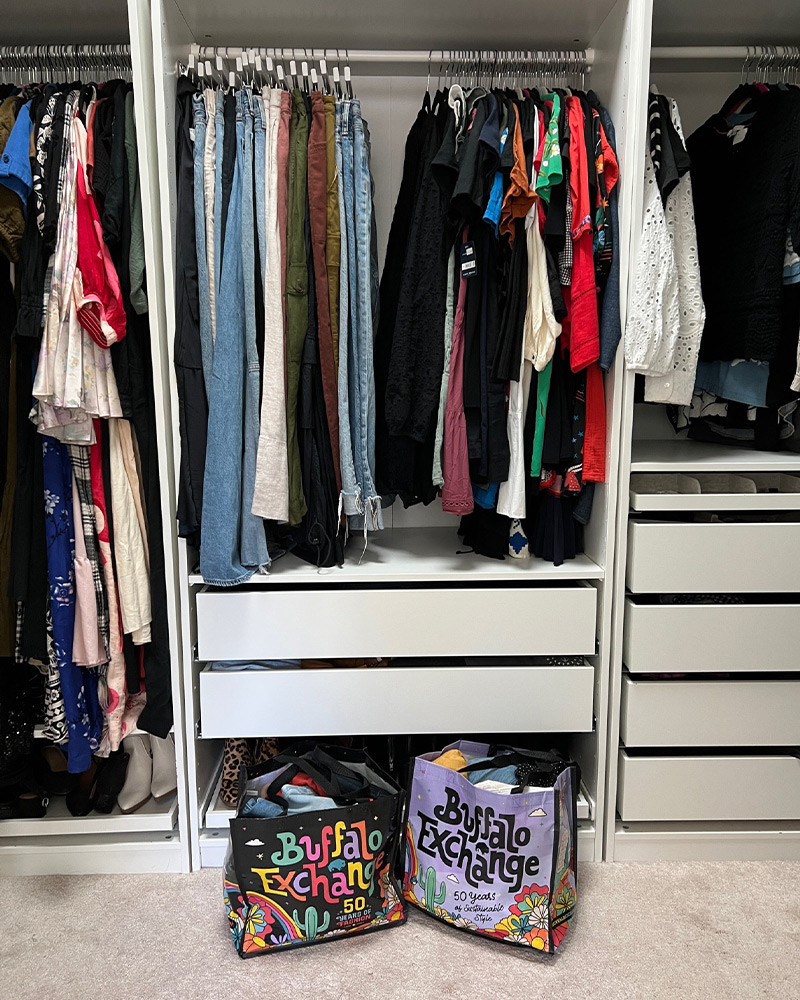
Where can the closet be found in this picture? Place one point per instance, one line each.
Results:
(62, 43)
(705, 681)
(410, 594)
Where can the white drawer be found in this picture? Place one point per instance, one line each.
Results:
(713, 557)
(653, 789)
(714, 713)
(708, 638)
(714, 491)
(420, 699)
(449, 621)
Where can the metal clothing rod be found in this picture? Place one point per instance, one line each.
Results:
(382, 55)
(421, 58)
(733, 52)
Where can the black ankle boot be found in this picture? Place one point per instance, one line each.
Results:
(111, 780)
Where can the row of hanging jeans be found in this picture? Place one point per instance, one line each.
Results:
(277, 297)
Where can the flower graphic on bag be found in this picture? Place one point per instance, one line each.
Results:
(533, 904)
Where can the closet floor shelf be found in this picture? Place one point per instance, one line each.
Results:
(152, 817)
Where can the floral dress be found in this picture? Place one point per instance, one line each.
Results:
(78, 684)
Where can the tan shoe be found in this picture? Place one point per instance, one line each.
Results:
(136, 790)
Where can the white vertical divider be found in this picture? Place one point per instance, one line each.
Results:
(146, 128)
(618, 72)
(170, 41)
(631, 208)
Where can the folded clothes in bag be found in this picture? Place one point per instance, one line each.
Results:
(294, 877)
(490, 861)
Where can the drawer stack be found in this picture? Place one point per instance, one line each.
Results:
(710, 690)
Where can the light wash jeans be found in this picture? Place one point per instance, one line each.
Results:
(351, 493)
(206, 340)
(363, 297)
(220, 561)
(209, 185)
(253, 541)
(219, 127)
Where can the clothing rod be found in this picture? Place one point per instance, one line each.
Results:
(415, 57)
(734, 52)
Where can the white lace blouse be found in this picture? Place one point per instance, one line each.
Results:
(666, 315)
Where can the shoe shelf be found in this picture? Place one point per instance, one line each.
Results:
(151, 817)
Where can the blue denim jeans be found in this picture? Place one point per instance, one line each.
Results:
(260, 154)
(363, 299)
(351, 493)
(219, 125)
(206, 339)
(220, 560)
(253, 539)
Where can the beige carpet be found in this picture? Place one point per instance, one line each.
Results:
(656, 932)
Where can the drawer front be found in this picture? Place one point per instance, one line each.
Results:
(713, 557)
(714, 713)
(704, 638)
(327, 624)
(714, 491)
(655, 789)
(339, 702)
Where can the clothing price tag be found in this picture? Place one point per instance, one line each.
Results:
(469, 265)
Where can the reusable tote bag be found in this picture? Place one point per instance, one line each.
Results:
(500, 865)
(322, 865)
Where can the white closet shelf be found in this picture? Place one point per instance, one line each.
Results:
(681, 455)
(415, 24)
(153, 816)
(38, 732)
(429, 555)
(218, 815)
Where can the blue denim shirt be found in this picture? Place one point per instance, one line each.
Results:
(15, 163)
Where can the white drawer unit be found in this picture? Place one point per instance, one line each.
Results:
(713, 557)
(708, 638)
(418, 699)
(712, 713)
(713, 788)
(415, 621)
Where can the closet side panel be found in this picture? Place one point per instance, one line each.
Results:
(171, 39)
(142, 57)
(619, 76)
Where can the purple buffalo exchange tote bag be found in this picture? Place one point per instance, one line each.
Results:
(499, 865)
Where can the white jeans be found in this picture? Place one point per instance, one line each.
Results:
(271, 494)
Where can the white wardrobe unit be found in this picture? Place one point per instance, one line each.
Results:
(156, 837)
(410, 595)
(705, 697)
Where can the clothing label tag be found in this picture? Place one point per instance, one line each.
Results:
(469, 266)
(737, 134)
